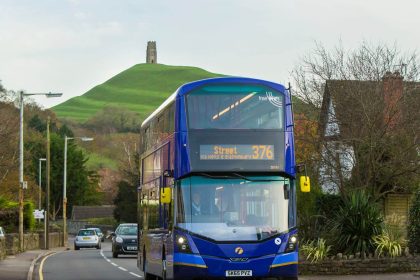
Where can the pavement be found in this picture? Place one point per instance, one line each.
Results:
(17, 267)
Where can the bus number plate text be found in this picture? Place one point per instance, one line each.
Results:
(240, 273)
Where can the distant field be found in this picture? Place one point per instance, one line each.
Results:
(140, 88)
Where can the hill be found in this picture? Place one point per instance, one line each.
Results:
(140, 89)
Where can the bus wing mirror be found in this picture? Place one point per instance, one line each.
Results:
(305, 184)
(165, 195)
(168, 173)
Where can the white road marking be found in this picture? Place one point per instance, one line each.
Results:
(120, 267)
(138, 276)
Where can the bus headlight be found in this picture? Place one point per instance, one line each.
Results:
(291, 244)
(182, 244)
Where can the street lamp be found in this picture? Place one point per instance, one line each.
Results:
(84, 139)
(22, 185)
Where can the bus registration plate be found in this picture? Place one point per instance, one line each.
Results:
(240, 273)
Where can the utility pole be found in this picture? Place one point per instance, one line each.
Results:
(21, 184)
(65, 193)
(47, 210)
(40, 182)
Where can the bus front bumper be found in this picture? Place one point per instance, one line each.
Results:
(189, 266)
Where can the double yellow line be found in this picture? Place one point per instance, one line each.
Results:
(41, 266)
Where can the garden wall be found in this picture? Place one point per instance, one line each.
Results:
(32, 241)
(361, 266)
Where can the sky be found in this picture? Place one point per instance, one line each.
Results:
(70, 46)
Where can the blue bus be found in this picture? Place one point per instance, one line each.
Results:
(217, 193)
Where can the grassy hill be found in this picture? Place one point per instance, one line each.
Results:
(140, 88)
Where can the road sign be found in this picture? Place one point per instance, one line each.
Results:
(24, 185)
(39, 214)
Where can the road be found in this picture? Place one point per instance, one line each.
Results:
(93, 264)
(88, 264)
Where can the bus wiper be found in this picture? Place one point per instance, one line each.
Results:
(253, 180)
(235, 176)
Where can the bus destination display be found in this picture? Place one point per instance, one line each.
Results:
(236, 152)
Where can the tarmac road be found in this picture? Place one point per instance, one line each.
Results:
(88, 264)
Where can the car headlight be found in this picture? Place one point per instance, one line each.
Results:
(119, 239)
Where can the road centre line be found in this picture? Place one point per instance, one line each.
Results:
(119, 267)
(122, 268)
(136, 275)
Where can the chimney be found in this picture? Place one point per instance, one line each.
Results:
(392, 91)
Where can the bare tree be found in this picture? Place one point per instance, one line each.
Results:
(368, 100)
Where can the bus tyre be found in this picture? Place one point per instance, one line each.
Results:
(163, 269)
(289, 278)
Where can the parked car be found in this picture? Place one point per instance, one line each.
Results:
(124, 240)
(87, 238)
(99, 233)
(2, 232)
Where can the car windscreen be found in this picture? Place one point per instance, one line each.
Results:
(86, 233)
(127, 230)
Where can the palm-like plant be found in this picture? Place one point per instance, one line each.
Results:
(357, 221)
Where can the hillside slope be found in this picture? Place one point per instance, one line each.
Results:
(140, 88)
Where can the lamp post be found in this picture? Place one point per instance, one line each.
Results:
(22, 184)
(66, 139)
(40, 182)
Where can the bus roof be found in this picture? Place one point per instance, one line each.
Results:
(182, 90)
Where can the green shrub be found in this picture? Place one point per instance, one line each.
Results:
(28, 216)
(414, 225)
(315, 251)
(356, 222)
(390, 242)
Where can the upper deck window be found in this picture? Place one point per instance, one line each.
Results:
(235, 106)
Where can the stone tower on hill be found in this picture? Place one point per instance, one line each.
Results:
(151, 53)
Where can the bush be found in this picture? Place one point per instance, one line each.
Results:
(315, 251)
(389, 243)
(414, 225)
(357, 221)
(28, 216)
(9, 215)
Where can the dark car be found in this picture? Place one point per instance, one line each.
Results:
(124, 240)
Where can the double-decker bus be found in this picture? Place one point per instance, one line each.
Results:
(217, 194)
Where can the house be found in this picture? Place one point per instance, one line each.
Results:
(356, 116)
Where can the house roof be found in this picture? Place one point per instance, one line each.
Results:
(355, 102)
(87, 212)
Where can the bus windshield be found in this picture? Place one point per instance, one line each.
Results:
(233, 209)
(235, 106)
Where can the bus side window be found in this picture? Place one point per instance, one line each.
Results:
(153, 209)
(144, 205)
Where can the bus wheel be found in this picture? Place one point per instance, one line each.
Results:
(164, 269)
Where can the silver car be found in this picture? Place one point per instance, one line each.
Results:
(87, 238)
(99, 233)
